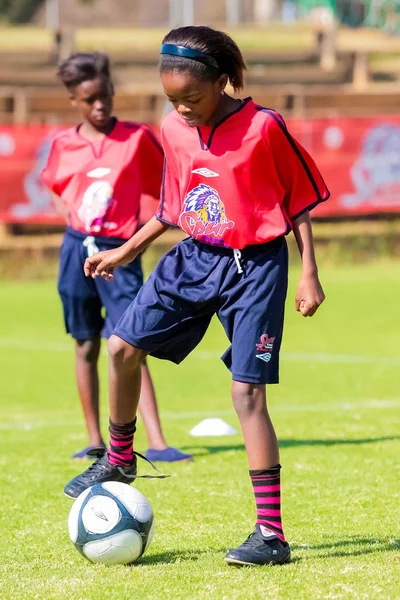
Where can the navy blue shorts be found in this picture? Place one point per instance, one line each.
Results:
(85, 300)
(194, 281)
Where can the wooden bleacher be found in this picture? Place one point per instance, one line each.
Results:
(33, 105)
(310, 83)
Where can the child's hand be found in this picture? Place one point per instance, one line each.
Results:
(104, 263)
(309, 296)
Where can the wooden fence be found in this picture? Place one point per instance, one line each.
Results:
(32, 105)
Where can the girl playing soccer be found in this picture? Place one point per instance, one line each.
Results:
(98, 172)
(236, 182)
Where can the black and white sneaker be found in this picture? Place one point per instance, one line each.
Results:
(98, 472)
(262, 547)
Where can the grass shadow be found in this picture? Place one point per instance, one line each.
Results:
(286, 443)
(189, 555)
(174, 556)
(351, 546)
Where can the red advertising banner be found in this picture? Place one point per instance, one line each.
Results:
(23, 155)
(359, 159)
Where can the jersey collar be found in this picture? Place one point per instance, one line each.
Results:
(97, 147)
(206, 147)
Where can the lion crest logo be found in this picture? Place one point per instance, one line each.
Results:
(204, 213)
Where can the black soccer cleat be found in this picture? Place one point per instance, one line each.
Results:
(99, 472)
(260, 549)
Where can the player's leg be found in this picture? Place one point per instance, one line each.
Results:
(249, 401)
(87, 379)
(157, 448)
(148, 412)
(267, 542)
(83, 320)
(116, 296)
(254, 322)
(124, 385)
(124, 381)
(166, 320)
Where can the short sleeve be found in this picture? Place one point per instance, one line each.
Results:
(52, 174)
(151, 159)
(303, 183)
(169, 207)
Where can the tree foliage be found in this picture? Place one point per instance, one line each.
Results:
(19, 11)
(22, 11)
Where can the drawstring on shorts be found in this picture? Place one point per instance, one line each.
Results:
(237, 255)
(90, 243)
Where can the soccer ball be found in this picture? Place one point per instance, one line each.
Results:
(111, 523)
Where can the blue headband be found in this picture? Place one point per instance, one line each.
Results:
(202, 57)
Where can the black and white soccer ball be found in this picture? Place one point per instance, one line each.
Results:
(111, 523)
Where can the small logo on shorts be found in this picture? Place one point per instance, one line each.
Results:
(266, 346)
(265, 357)
(267, 343)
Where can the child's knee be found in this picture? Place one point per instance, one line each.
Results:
(121, 353)
(248, 399)
(88, 350)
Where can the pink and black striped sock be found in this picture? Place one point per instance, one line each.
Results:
(121, 443)
(267, 492)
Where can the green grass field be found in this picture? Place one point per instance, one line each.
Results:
(337, 417)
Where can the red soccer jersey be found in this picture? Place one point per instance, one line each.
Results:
(241, 182)
(102, 182)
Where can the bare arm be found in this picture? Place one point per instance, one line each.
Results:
(103, 263)
(310, 294)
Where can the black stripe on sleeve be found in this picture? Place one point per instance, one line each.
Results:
(292, 143)
(159, 212)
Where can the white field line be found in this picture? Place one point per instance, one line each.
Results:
(368, 404)
(319, 357)
(308, 357)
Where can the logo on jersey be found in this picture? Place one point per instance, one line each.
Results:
(99, 172)
(204, 213)
(205, 172)
(96, 201)
(265, 346)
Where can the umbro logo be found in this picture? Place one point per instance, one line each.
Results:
(265, 357)
(99, 514)
(99, 172)
(205, 172)
(267, 533)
